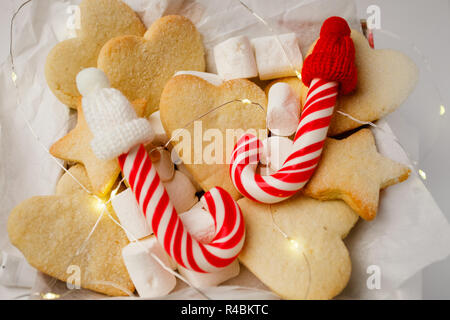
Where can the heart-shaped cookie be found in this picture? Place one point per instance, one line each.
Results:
(313, 262)
(186, 98)
(100, 20)
(49, 230)
(140, 67)
(385, 79)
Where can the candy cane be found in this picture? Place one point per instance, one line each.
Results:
(328, 69)
(167, 226)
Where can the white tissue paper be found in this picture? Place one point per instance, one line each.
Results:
(283, 110)
(409, 233)
(235, 59)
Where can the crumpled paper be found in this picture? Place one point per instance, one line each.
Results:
(409, 233)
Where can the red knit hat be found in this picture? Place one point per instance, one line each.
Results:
(333, 57)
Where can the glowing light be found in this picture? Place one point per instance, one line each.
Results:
(13, 76)
(113, 194)
(50, 296)
(442, 110)
(422, 174)
(298, 74)
(246, 101)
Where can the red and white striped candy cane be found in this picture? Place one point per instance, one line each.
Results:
(301, 163)
(167, 226)
(329, 69)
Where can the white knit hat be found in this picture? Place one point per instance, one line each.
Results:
(110, 116)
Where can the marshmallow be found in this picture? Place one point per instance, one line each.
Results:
(149, 277)
(150, 11)
(182, 167)
(271, 58)
(181, 192)
(199, 223)
(130, 215)
(212, 78)
(110, 116)
(91, 79)
(275, 151)
(164, 166)
(204, 280)
(160, 137)
(283, 110)
(16, 272)
(235, 59)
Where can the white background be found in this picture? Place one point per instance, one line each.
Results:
(426, 23)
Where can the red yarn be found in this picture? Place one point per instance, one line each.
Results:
(333, 57)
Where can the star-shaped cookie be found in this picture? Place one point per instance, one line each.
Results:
(76, 146)
(352, 170)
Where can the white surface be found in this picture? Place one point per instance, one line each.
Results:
(397, 16)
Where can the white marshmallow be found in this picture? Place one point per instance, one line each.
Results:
(275, 151)
(235, 59)
(164, 166)
(185, 171)
(149, 277)
(199, 223)
(149, 11)
(212, 78)
(204, 280)
(271, 58)
(283, 110)
(90, 79)
(161, 137)
(181, 192)
(130, 215)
